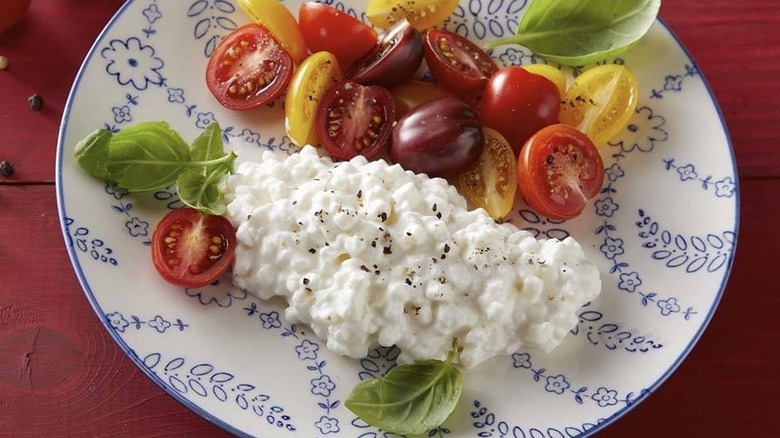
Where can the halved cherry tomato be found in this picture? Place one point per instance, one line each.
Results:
(395, 59)
(411, 94)
(327, 29)
(192, 249)
(353, 119)
(313, 78)
(275, 17)
(12, 13)
(491, 183)
(441, 138)
(457, 64)
(517, 103)
(248, 68)
(558, 170)
(423, 14)
(601, 101)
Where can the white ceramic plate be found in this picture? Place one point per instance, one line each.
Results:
(662, 233)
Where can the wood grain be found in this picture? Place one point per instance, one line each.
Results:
(61, 375)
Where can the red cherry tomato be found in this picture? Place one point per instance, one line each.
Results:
(558, 171)
(11, 12)
(517, 103)
(248, 68)
(457, 64)
(353, 119)
(192, 249)
(395, 59)
(327, 29)
(440, 138)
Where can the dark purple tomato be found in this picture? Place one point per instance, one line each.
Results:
(395, 59)
(441, 138)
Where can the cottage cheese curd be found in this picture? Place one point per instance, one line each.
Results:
(367, 253)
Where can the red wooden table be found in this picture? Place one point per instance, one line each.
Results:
(61, 375)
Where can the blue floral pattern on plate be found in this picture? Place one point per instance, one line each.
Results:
(236, 360)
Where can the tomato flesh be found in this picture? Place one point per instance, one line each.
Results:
(248, 68)
(327, 29)
(491, 182)
(395, 59)
(353, 119)
(457, 64)
(192, 249)
(274, 16)
(313, 78)
(559, 170)
(422, 14)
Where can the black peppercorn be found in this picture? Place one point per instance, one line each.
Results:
(35, 102)
(6, 168)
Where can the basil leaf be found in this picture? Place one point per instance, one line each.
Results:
(410, 399)
(208, 145)
(581, 32)
(147, 156)
(92, 153)
(201, 190)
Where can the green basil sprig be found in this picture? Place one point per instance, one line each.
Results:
(410, 399)
(582, 32)
(152, 155)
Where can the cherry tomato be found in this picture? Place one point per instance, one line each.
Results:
(517, 103)
(440, 138)
(192, 249)
(457, 64)
(491, 182)
(556, 76)
(313, 78)
(395, 59)
(12, 13)
(558, 170)
(411, 94)
(248, 68)
(328, 29)
(601, 101)
(275, 17)
(422, 14)
(353, 119)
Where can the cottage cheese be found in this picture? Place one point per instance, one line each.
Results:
(367, 253)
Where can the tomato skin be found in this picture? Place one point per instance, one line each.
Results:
(13, 11)
(413, 93)
(422, 14)
(517, 103)
(491, 182)
(395, 59)
(441, 138)
(326, 29)
(354, 119)
(274, 16)
(311, 81)
(192, 249)
(457, 64)
(558, 171)
(239, 86)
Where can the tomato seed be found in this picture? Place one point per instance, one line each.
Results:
(217, 240)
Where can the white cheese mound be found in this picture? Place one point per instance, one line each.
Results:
(367, 253)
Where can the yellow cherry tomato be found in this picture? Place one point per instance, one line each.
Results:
(491, 182)
(601, 101)
(422, 14)
(556, 76)
(314, 76)
(275, 17)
